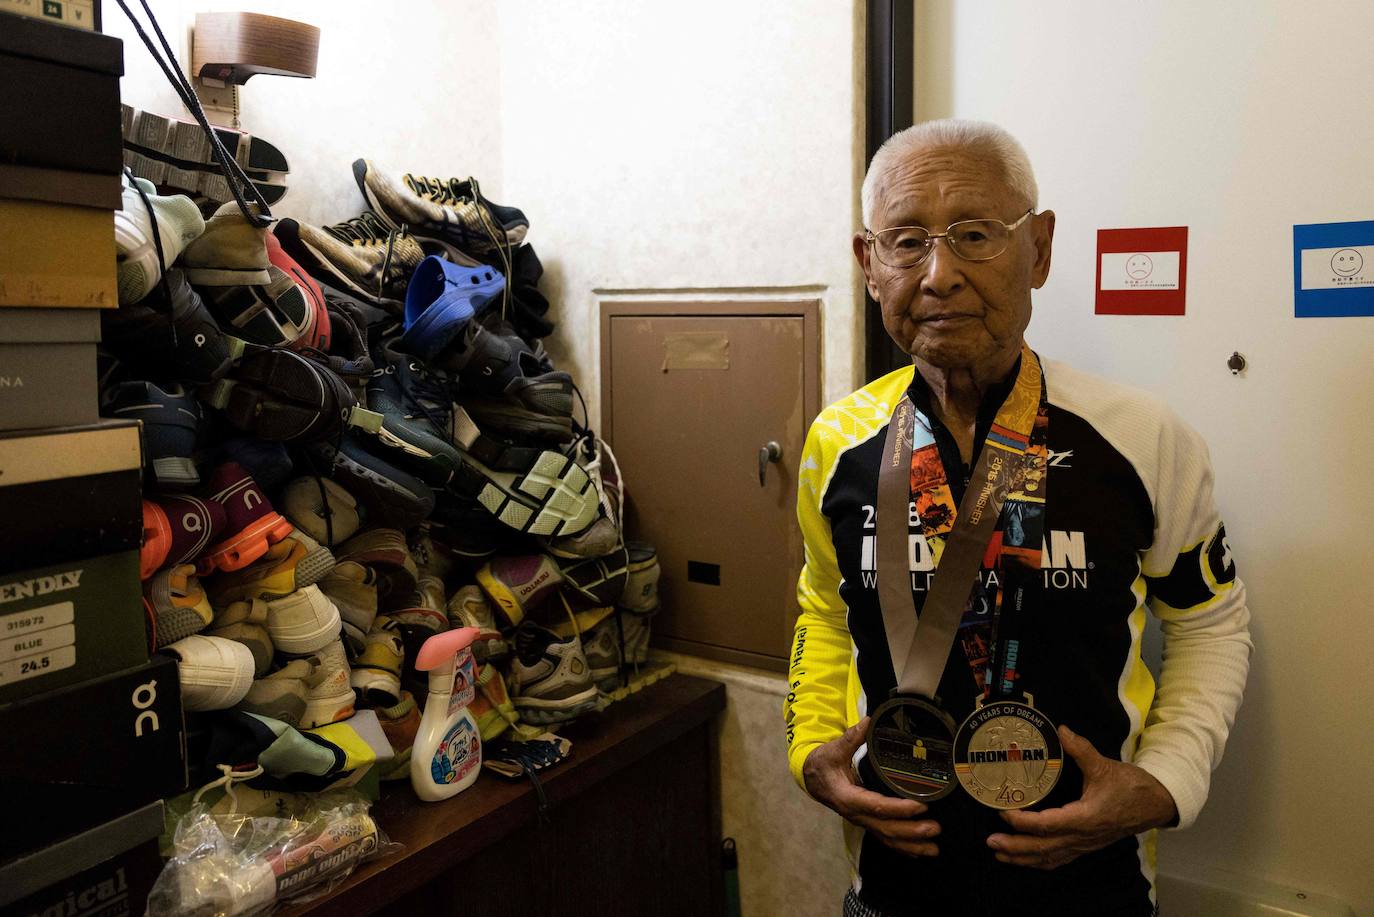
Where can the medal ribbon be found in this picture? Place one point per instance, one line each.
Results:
(919, 652)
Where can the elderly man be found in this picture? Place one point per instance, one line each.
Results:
(984, 531)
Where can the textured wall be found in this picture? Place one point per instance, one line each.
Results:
(711, 147)
(1237, 119)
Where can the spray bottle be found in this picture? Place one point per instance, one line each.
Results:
(447, 754)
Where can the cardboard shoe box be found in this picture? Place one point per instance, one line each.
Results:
(48, 367)
(105, 872)
(82, 755)
(71, 606)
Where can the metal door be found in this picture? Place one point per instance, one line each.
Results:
(692, 394)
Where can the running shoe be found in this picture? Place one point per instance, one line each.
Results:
(282, 396)
(411, 412)
(138, 263)
(386, 552)
(177, 154)
(171, 419)
(364, 256)
(352, 588)
(191, 525)
(269, 463)
(491, 705)
(469, 608)
(156, 542)
(391, 496)
(315, 332)
(321, 508)
(400, 723)
(550, 680)
(599, 580)
(602, 647)
(232, 252)
(179, 604)
(604, 535)
(347, 355)
(282, 694)
(551, 496)
(517, 585)
(425, 607)
(441, 301)
(214, 673)
(253, 524)
(246, 622)
(168, 334)
(293, 563)
(302, 622)
(377, 670)
(331, 698)
(450, 211)
(640, 594)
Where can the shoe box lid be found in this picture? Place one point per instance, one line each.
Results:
(69, 493)
(59, 96)
(70, 859)
(102, 190)
(78, 14)
(82, 755)
(48, 369)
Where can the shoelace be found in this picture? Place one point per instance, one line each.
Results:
(468, 191)
(366, 229)
(229, 777)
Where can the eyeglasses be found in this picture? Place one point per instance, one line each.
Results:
(972, 240)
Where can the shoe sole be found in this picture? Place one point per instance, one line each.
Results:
(176, 624)
(555, 497)
(334, 708)
(197, 181)
(185, 142)
(377, 687)
(540, 712)
(238, 551)
(282, 397)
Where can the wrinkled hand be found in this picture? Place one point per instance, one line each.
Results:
(1118, 800)
(830, 779)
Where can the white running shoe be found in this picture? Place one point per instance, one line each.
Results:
(302, 622)
(549, 677)
(215, 673)
(179, 223)
(331, 696)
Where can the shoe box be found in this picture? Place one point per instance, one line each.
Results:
(60, 160)
(80, 14)
(84, 754)
(48, 367)
(105, 872)
(71, 605)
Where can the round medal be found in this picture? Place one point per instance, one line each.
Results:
(910, 743)
(1007, 755)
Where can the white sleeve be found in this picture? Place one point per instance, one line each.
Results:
(1194, 591)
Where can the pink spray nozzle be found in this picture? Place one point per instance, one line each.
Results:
(441, 648)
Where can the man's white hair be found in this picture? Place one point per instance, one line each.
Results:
(976, 136)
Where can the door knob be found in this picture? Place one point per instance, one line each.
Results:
(768, 452)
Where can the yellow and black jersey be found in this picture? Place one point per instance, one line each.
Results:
(1130, 525)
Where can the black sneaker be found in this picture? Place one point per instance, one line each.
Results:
(168, 334)
(393, 498)
(413, 416)
(451, 211)
(364, 256)
(171, 419)
(283, 396)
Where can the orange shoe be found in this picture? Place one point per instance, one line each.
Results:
(157, 540)
(253, 522)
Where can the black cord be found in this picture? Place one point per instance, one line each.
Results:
(161, 259)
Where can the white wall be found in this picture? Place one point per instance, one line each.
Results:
(1237, 119)
(707, 149)
(415, 86)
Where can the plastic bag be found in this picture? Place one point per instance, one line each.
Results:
(226, 865)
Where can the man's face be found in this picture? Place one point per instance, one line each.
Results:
(953, 313)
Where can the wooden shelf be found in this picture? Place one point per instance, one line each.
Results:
(437, 836)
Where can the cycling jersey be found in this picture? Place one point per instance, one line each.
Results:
(1130, 523)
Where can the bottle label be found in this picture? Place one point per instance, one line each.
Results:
(457, 754)
(464, 689)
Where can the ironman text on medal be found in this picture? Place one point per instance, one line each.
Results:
(1007, 754)
(910, 744)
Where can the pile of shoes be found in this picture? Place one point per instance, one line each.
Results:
(354, 439)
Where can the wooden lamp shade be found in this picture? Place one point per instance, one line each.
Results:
(228, 48)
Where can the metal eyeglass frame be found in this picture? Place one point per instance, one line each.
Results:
(871, 237)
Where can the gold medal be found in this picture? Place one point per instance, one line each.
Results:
(1007, 754)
